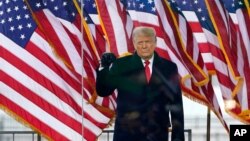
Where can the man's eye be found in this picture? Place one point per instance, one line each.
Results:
(140, 43)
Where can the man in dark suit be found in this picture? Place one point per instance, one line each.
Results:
(149, 98)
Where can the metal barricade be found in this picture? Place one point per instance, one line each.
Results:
(109, 134)
(13, 135)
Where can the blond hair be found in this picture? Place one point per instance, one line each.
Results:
(145, 31)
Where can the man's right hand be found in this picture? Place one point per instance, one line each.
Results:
(107, 59)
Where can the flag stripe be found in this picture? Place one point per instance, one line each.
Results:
(60, 38)
(36, 122)
(48, 106)
(20, 77)
(35, 110)
(114, 27)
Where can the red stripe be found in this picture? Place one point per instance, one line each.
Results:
(210, 66)
(195, 26)
(104, 14)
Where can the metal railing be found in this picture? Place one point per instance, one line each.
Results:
(13, 135)
(110, 132)
(36, 137)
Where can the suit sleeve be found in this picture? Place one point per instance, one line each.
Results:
(177, 114)
(105, 82)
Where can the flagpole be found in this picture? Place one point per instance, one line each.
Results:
(208, 123)
(82, 79)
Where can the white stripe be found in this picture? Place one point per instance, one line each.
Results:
(52, 76)
(120, 35)
(240, 59)
(211, 38)
(92, 127)
(147, 18)
(226, 92)
(200, 37)
(190, 16)
(196, 51)
(75, 58)
(219, 95)
(183, 31)
(234, 18)
(207, 57)
(129, 26)
(92, 29)
(39, 113)
(242, 96)
(161, 43)
(220, 66)
(95, 19)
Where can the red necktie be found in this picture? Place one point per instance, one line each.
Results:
(147, 70)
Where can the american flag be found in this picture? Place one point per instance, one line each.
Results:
(96, 30)
(113, 17)
(91, 17)
(238, 45)
(46, 56)
(63, 20)
(196, 15)
(36, 85)
(181, 38)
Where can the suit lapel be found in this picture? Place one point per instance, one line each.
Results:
(137, 66)
(154, 78)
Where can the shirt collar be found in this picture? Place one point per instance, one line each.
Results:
(150, 60)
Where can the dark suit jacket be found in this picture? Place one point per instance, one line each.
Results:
(143, 108)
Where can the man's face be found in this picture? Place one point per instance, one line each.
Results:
(145, 46)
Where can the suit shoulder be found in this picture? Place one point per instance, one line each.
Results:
(166, 62)
(123, 59)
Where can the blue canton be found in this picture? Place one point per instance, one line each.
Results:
(16, 21)
(89, 7)
(147, 6)
(63, 9)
